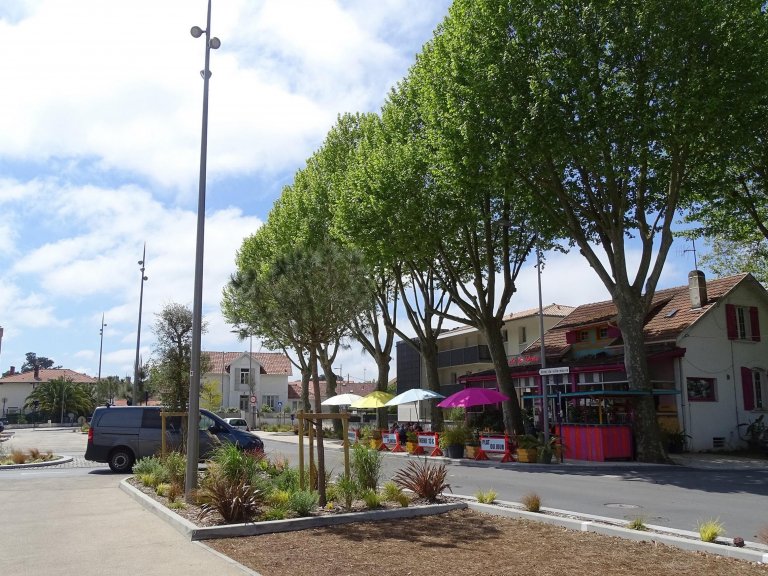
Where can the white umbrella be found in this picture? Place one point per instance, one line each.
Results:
(341, 400)
(414, 395)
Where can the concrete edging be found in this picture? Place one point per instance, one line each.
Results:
(588, 525)
(194, 532)
(60, 460)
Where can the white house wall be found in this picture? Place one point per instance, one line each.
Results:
(710, 354)
(15, 394)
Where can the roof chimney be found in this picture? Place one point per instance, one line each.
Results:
(697, 288)
(37, 372)
(13, 370)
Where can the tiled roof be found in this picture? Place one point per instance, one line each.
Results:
(670, 313)
(559, 310)
(271, 362)
(342, 387)
(46, 375)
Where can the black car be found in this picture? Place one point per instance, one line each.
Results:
(120, 435)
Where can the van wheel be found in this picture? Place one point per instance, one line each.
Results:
(121, 461)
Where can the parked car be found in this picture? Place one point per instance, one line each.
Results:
(238, 423)
(120, 435)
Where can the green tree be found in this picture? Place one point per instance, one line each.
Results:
(605, 111)
(726, 257)
(34, 361)
(61, 396)
(170, 367)
(210, 395)
(309, 296)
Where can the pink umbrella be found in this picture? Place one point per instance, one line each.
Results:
(473, 397)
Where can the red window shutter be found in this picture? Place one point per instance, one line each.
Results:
(754, 322)
(730, 322)
(571, 337)
(747, 388)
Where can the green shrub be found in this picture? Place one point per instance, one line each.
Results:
(148, 465)
(403, 499)
(424, 479)
(347, 489)
(458, 435)
(279, 498)
(709, 530)
(391, 492)
(150, 479)
(303, 502)
(371, 498)
(234, 463)
(288, 480)
(532, 502)
(331, 492)
(366, 467)
(637, 524)
(174, 466)
(162, 489)
(486, 497)
(274, 513)
(177, 505)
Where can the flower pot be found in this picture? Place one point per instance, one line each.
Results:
(411, 447)
(527, 455)
(374, 444)
(471, 451)
(454, 451)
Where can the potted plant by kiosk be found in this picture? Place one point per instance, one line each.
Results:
(411, 441)
(452, 441)
(473, 444)
(527, 448)
(546, 449)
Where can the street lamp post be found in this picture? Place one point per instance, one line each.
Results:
(142, 263)
(193, 444)
(101, 345)
(544, 396)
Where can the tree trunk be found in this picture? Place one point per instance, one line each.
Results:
(319, 429)
(631, 320)
(429, 355)
(306, 377)
(330, 387)
(382, 419)
(513, 420)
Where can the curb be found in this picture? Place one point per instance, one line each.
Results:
(592, 525)
(60, 460)
(196, 533)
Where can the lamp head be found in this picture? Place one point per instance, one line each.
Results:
(215, 43)
(141, 262)
(196, 31)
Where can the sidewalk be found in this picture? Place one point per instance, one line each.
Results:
(696, 460)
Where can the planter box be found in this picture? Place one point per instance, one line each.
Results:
(527, 455)
(471, 451)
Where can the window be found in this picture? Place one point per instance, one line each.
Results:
(523, 336)
(583, 336)
(244, 400)
(603, 333)
(270, 400)
(755, 389)
(244, 376)
(742, 322)
(505, 335)
(701, 389)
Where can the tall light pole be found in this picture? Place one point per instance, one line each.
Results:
(136, 366)
(101, 344)
(544, 396)
(193, 444)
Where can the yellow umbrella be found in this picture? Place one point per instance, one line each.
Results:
(377, 399)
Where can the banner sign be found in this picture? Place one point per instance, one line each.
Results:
(351, 435)
(427, 440)
(389, 438)
(493, 443)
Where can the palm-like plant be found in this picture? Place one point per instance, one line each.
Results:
(61, 395)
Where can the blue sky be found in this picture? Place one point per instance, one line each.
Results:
(99, 153)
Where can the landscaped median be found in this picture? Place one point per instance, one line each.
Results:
(194, 532)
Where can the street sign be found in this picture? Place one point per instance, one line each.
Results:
(253, 400)
(279, 406)
(551, 371)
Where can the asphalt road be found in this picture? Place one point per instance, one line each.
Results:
(671, 496)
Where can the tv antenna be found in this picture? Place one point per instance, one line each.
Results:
(693, 249)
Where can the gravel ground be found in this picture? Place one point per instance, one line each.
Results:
(466, 543)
